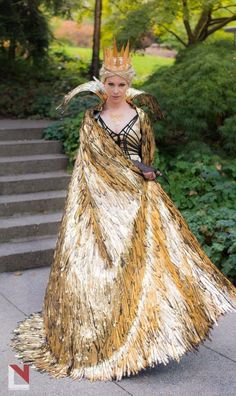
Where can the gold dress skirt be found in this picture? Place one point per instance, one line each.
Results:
(129, 286)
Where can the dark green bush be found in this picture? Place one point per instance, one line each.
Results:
(30, 91)
(203, 188)
(68, 133)
(196, 144)
(67, 128)
(24, 27)
(198, 95)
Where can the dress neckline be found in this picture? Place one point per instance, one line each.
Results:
(118, 133)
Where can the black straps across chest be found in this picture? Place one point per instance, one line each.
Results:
(128, 138)
(125, 129)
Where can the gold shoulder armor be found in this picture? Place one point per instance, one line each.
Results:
(145, 99)
(95, 87)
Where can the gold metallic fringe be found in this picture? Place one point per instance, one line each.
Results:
(130, 286)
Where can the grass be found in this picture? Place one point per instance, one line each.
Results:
(144, 65)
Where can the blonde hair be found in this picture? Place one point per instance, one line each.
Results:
(128, 74)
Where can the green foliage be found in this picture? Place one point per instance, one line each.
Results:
(202, 183)
(23, 30)
(137, 25)
(203, 188)
(143, 65)
(32, 91)
(29, 91)
(67, 128)
(228, 134)
(68, 133)
(197, 95)
(176, 22)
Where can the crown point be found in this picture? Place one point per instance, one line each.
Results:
(114, 60)
(115, 50)
(126, 53)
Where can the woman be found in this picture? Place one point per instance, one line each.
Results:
(130, 286)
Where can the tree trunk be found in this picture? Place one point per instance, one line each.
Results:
(207, 25)
(186, 22)
(200, 31)
(12, 50)
(94, 71)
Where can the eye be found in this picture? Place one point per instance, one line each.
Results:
(122, 84)
(111, 84)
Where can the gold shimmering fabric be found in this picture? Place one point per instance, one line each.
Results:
(130, 286)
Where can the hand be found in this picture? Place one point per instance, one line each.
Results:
(149, 175)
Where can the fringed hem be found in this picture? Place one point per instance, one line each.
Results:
(37, 354)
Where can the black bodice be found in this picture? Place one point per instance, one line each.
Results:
(129, 138)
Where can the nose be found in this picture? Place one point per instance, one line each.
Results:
(116, 89)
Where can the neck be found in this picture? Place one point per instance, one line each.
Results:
(115, 106)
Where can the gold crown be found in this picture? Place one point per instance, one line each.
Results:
(115, 60)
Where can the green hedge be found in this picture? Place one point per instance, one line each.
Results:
(34, 91)
(203, 188)
(198, 95)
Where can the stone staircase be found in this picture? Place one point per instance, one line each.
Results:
(33, 188)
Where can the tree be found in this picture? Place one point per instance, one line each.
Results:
(77, 9)
(23, 28)
(94, 71)
(136, 25)
(200, 19)
(189, 21)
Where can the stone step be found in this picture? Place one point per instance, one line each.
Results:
(29, 147)
(28, 225)
(21, 133)
(38, 202)
(27, 253)
(33, 163)
(33, 190)
(31, 182)
(16, 123)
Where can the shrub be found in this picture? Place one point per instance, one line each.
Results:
(203, 188)
(67, 128)
(30, 91)
(198, 96)
(68, 133)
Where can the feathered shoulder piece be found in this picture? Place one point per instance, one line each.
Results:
(144, 99)
(96, 87)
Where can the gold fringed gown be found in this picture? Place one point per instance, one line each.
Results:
(130, 286)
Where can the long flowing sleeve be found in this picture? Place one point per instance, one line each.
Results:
(148, 144)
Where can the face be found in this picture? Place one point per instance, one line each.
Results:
(116, 88)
